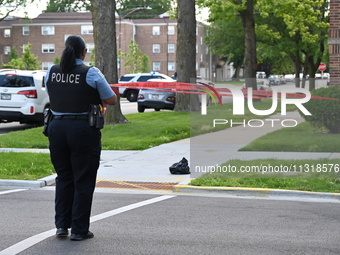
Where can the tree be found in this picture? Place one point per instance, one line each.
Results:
(148, 8)
(302, 28)
(10, 6)
(14, 54)
(224, 38)
(186, 53)
(103, 19)
(67, 6)
(28, 61)
(226, 10)
(134, 60)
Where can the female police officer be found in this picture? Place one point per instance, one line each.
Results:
(75, 147)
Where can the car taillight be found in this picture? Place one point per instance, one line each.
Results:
(29, 93)
(140, 97)
(170, 99)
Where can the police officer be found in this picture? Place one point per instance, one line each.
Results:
(75, 147)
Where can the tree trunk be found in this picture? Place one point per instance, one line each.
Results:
(250, 60)
(104, 33)
(186, 54)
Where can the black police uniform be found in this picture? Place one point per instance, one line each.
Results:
(75, 147)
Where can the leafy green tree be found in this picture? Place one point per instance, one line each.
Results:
(10, 6)
(14, 54)
(139, 9)
(28, 61)
(134, 60)
(226, 10)
(301, 29)
(225, 38)
(56, 61)
(67, 6)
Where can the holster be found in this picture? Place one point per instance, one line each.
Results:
(96, 118)
(48, 116)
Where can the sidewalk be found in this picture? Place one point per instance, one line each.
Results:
(134, 168)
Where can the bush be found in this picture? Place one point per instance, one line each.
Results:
(325, 112)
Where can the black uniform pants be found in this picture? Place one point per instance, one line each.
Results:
(75, 154)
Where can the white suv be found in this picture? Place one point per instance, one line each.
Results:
(131, 94)
(22, 96)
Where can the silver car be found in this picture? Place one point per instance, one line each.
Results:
(157, 99)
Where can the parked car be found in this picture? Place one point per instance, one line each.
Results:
(156, 99)
(260, 86)
(261, 75)
(23, 96)
(276, 80)
(290, 77)
(131, 94)
(200, 80)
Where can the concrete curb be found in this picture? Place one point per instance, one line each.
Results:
(258, 192)
(46, 181)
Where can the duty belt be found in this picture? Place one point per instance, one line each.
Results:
(74, 117)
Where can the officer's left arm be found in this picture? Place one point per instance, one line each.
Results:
(96, 79)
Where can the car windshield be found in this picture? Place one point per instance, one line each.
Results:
(16, 81)
(126, 78)
(148, 77)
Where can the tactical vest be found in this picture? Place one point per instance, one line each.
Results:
(69, 92)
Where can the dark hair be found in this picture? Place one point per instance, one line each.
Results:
(74, 46)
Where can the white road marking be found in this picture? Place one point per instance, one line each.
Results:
(29, 242)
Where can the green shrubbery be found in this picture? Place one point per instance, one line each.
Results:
(325, 112)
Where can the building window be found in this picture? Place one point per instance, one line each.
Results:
(171, 30)
(7, 32)
(171, 48)
(196, 48)
(25, 30)
(46, 65)
(201, 39)
(201, 58)
(47, 48)
(171, 66)
(156, 66)
(156, 30)
(47, 30)
(7, 50)
(90, 47)
(156, 48)
(87, 30)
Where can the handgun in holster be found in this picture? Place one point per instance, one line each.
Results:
(47, 119)
(96, 118)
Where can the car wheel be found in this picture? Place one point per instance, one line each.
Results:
(157, 109)
(141, 108)
(132, 95)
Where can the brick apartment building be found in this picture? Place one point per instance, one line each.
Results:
(156, 37)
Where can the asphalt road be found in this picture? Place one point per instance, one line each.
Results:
(156, 223)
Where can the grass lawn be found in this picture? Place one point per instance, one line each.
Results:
(25, 166)
(322, 175)
(302, 138)
(154, 128)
